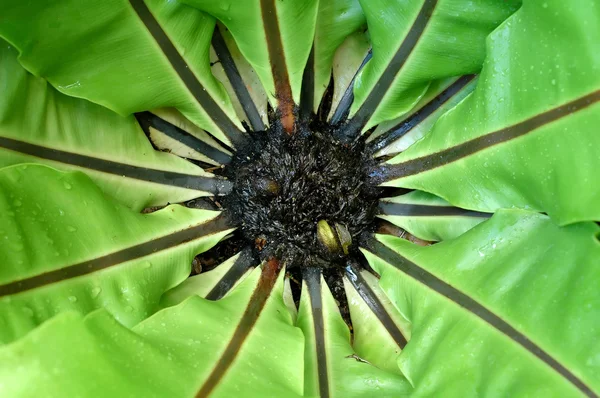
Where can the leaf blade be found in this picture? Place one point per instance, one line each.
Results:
(151, 71)
(492, 295)
(331, 366)
(336, 20)
(428, 217)
(430, 42)
(77, 249)
(522, 141)
(39, 124)
(276, 38)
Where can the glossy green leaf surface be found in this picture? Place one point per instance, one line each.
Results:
(247, 74)
(213, 284)
(171, 354)
(415, 42)
(97, 297)
(170, 131)
(274, 36)
(336, 20)
(67, 246)
(428, 217)
(39, 124)
(479, 303)
(105, 52)
(347, 60)
(399, 134)
(331, 366)
(527, 137)
(371, 338)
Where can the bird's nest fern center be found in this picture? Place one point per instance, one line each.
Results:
(299, 198)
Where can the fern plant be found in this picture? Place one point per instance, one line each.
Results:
(402, 196)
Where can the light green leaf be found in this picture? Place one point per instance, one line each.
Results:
(347, 61)
(428, 217)
(170, 354)
(67, 246)
(527, 137)
(129, 56)
(511, 308)
(336, 20)
(415, 42)
(275, 37)
(239, 79)
(170, 131)
(214, 284)
(397, 135)
(380, 331)
(39, 124)
(331, 366)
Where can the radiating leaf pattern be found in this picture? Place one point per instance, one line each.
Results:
(476, 121)
(415, 42)
(399, 134)
(215, 284)
(74, 248)
(349, 59)
(276, 38)
(175, 350)
(331, 367)
(70, 133)
(428, 217)
(161, 61)
(380, 331)
(526, 122)
(498, 293)
(162, 128)
(336, 19)
(240, 80)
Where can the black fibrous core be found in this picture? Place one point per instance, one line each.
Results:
(283, 185)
